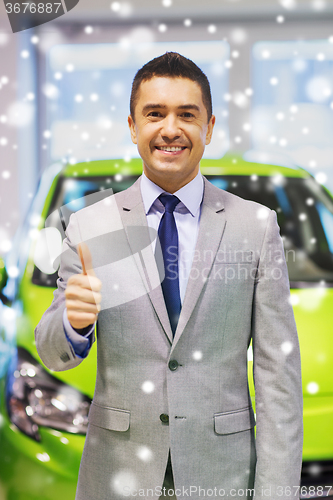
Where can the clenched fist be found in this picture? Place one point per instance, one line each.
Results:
(83, 296)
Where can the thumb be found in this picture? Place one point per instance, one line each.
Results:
(86, 259)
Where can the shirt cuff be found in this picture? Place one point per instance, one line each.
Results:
(81, 342)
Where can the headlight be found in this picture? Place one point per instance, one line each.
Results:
(36, 398)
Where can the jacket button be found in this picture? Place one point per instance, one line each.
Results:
(164, 418)
(173, 365)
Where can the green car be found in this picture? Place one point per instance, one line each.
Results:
(44, 414)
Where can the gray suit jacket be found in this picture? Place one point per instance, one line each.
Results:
(238, 290)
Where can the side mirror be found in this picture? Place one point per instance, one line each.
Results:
(3, 275)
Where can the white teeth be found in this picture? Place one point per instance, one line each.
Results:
(166, 148)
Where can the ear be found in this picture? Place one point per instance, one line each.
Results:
(132, 128)
(210, 129)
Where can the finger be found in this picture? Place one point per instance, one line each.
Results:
(79, 248)
(84, 295)
(84, 281)
(78, 305)
(80, 319)
(86, 259)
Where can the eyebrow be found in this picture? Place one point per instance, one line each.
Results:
(149, 106)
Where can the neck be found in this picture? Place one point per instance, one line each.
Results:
(169, 185)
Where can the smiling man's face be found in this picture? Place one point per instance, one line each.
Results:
(171, 130)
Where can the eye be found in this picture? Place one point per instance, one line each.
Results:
(154, 114)
(186, 114)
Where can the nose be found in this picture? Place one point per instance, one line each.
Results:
(170, 127)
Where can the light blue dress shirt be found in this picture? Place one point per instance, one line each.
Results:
(187, 217)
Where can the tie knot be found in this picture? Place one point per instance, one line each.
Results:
(169, 201)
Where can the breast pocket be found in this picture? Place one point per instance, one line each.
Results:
(113, 419)
(234, 267)
(233, 273)
(234, 257)
(231, 422)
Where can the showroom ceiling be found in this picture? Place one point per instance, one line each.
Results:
(130, 10)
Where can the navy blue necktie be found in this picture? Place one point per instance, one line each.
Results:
(168, 236)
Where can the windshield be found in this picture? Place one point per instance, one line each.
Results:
(304, 210)
(305, 216)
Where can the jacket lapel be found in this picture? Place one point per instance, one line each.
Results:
(211, 228)
(212, 224)
(134, 219)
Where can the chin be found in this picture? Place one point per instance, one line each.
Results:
(165, 169)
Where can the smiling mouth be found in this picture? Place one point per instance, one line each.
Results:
(170, 149)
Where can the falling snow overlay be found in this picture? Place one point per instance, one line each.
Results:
(64, 91)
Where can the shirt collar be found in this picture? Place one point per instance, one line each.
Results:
(190, 195)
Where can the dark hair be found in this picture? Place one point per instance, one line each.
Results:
(174, 65)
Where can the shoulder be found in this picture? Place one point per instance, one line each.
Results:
(130, 197)
(234, 205)
(113, 201)
(244, 219)
(103, 216)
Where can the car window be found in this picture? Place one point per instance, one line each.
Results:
(305, 216)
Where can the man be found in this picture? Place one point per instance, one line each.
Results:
(172, 386)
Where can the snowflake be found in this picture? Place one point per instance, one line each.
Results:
(312, 387)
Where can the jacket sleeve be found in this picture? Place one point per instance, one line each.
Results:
(53, 346)
(81, 342)
(277, 375)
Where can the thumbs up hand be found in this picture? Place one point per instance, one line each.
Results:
(83, 296)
